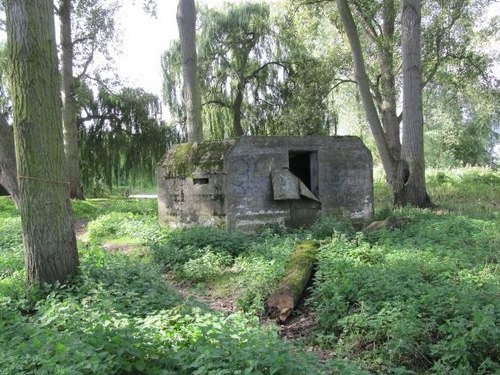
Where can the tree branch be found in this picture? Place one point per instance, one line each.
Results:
(257, 71)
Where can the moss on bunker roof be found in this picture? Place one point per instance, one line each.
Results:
(186, 159)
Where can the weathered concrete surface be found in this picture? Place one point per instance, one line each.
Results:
(344, 179)
(191, 185)
(232, 182)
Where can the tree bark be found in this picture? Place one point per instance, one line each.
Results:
(186, 22)
(395, 161)
(362, 80)
(8, 176)
(70, 127)
(237, 103)
(413, 123)
(291, 288)
(388, 109)
(49, 240)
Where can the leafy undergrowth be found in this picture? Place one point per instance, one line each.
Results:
(234, 265)
(424, 298)
(420, 299)
(120, 317)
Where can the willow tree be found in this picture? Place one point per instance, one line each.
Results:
(238, 66)
(49, 240)
(122, 138)
(234, 41)
(186, 21)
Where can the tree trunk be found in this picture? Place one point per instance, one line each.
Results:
(70, 127)
(396, 163)
(8, 176)
(388, 109)
(49, 240)
(389, 163)
(413, 124)
(237, 103)
(186, 22)
(291, 288)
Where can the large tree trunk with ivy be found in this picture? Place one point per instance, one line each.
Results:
(186, 22)
(70, 128)
(8, 160)
(395, 161)
(49, 240)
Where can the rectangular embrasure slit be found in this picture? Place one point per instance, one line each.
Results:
(200, 181)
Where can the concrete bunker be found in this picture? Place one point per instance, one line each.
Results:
(255, 181)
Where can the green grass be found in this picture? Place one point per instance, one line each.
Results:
(420, 299)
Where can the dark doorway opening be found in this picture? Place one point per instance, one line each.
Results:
(304, 165)
(3, 191)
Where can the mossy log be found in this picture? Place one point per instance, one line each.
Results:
(297, 274)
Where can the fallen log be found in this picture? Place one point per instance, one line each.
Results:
(297, 274)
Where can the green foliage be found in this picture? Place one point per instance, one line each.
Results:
(419, 298)
(92, 208)
(182, 245)
(122, 140)
(259, 68)
(329, 226)
(422, 298)
(257, 273)
(208, 266)
(242, 266)
(7, 207)
(11, 247)
(119, 225)
(472, 191)
(120, 317)
(455, 139)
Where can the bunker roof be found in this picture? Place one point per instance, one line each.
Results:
(189, 159)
